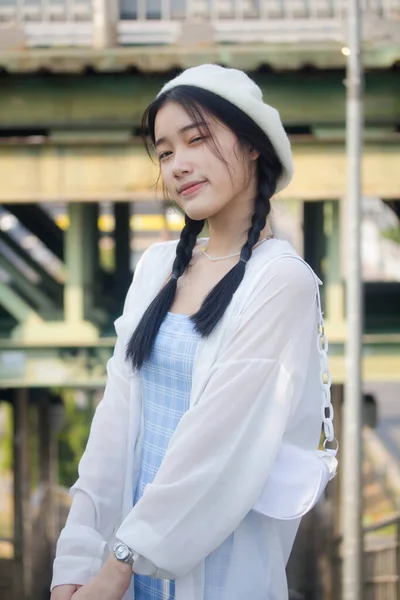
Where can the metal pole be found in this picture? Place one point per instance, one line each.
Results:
(352, 550)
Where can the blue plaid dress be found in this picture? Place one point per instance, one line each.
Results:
(166, 383)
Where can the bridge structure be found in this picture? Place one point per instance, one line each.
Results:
(78, 204)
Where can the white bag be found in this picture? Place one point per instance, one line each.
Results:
(296, 482)
(298, 476)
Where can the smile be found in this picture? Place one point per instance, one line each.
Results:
(192, 189)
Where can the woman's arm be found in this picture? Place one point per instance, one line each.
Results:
(221, 453)
(97, 494)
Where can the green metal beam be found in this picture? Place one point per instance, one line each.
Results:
(71, 102)
(74, 289)
(29, 289)
(123, 275)
(334, 287)
(35, 219)
(51, 286)
(24, 365)
(15, 305)
(82, 287)
(332, 240)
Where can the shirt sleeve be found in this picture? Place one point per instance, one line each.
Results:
(220, 454)
(94, 513)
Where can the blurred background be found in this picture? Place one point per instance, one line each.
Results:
(78, 206)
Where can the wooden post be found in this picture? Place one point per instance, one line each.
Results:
(22, 512)
(122, 248)
(47, 468)
(329, 548)
(337, 403)
(398, 559)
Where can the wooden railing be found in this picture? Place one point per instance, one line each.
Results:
(46, 523)
(82, 10)
(250, 9)
(381, 565)
(382, 560)
(6, 578)
(71, 22)
(42, 553)
(23, 11)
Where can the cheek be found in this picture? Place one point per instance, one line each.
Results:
(217, 173)
(235, 178)
(225, 179)
(167, 179)
(164, 172)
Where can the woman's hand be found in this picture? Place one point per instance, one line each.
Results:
(110, 583)
(64, 592)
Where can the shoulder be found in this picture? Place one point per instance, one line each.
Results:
(151, 263)
(292, 271)
(159, 250)
(281, 265)
(279, 279)
(155, 254)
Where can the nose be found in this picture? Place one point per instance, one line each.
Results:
(180, 164)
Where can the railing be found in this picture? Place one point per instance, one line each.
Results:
(381, 561)
(41, 554)
(252, 9)
(6, 579)
(25, 11)
(47, 519)
(82, 10)
(71, 22)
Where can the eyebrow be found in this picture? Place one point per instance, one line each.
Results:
(161, 140)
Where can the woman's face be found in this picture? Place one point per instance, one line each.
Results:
(194, 175)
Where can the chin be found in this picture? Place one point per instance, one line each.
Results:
(198, 211)
(197, 215)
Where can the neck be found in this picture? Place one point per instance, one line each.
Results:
(228, 235)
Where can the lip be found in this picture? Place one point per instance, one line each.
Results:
(190, 188)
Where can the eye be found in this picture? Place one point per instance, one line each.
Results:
(163, 155)
(197, 139)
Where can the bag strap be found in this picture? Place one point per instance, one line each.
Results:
(325, 376)
(326, 380)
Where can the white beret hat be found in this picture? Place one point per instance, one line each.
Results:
(243, 92)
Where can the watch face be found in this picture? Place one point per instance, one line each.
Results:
(121, 551)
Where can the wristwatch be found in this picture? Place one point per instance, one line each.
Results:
(123, 553)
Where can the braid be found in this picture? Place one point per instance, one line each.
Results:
(262, 208)
(218, 299)
(187, 242)
(141, 343)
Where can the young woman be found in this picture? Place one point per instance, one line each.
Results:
(217, 366)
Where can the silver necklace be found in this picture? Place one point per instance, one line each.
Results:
(214, 258)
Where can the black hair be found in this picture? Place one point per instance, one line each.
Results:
(199, 102)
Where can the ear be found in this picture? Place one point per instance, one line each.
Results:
(254, 154)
